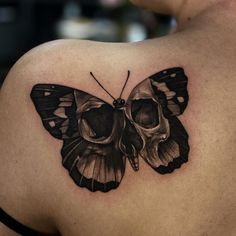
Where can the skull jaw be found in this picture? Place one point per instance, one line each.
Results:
(161, 154)
(150, 152)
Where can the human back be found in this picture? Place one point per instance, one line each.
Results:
(196, 199)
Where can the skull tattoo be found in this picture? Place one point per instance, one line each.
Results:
(99, 137)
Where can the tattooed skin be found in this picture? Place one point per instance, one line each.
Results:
(98, 137)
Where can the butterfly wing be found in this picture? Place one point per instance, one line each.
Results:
(152, 107)
(57, 108)
(94, 166)
(87, 125)
(174, 151)
(170, 86)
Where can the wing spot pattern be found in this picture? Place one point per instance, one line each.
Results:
(52, 123)
(180, 99)
(47, 94)
(60, 112)
(163, 87)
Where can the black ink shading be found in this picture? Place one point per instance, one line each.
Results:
(98, 137)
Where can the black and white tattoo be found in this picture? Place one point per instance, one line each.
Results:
(98, 137)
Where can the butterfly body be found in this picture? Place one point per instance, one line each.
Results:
(119, 103)
(98, 137)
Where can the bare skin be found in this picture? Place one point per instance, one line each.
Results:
(197, 199)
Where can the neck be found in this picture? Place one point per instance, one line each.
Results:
(204, 13)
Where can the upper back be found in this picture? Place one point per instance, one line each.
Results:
(37, 189)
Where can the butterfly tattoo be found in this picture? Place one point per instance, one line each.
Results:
(98, 137)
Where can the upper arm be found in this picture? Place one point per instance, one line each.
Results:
(24, 153)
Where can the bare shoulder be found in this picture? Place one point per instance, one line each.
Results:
(21, 178)
(31, 162)
(32, 170)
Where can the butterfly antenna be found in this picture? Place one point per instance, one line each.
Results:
(125, 84)
(102, 86)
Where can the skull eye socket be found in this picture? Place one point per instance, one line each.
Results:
(97, 123)
(145, 113)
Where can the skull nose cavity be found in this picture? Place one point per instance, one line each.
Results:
(164, 137)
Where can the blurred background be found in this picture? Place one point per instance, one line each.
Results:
(25, 24)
